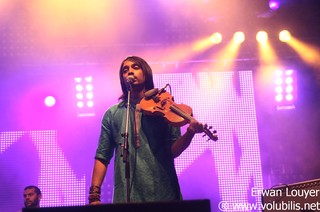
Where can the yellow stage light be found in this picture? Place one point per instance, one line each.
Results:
(284, 36)
(239, 37)
(216, 38)
(262, 36)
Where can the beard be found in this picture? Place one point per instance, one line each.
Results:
(31, 204)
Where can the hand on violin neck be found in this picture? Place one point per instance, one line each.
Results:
(196, 127)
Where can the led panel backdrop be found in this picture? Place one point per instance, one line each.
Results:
(231, 173)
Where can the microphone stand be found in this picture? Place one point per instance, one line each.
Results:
(125, 146)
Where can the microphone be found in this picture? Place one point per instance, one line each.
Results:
(155, 91)
(130, 79)
(150, 93)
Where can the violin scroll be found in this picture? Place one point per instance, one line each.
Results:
(211, 135)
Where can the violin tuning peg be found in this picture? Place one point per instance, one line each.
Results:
(210, 127)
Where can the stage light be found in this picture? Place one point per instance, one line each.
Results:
(279, 97)
(89, 95)
(284, 36)
(84, 95)
(239, 37)
(90, 104)
(49, 101)
(80, 104)
(289, 97)
(79, 88)
(78, 79)
(88, 79)
(262, 36)
(289, 72)
(289, 80)
(216, 38)
(285, 89)
(278, 81)
(278, 89)
(79, 96)
(89, 87)
(274, 5)
(289, 89)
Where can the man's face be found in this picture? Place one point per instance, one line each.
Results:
(31, 199)
(132, 69)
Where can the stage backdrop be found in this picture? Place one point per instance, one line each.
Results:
(227, 170)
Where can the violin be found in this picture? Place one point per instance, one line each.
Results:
(161, 103)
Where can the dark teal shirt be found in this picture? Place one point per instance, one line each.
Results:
(152, 173)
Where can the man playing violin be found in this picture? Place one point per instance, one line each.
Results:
(152, 144)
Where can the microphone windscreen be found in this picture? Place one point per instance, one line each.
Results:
(151, 93)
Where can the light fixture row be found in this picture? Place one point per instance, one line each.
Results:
(261, 36)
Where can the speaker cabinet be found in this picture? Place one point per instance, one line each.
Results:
(302, 196)
(185, 206)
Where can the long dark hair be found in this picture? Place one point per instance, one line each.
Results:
(147, 71)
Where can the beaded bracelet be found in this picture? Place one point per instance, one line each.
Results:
(95, 189)
(94, 194)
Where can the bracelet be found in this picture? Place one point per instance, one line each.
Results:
(94, 197)
(95, 190)
(94, 194)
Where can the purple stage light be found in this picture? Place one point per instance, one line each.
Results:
(49, 101)
(84, 95)
(274, 5)
(285, 89)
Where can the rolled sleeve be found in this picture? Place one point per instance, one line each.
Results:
(106, 143)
